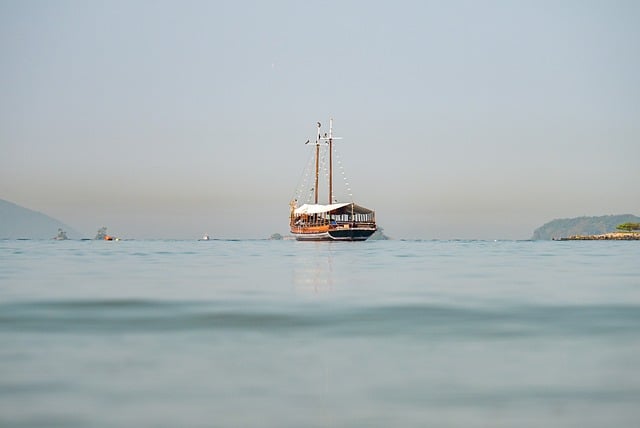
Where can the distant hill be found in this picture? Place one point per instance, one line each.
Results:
(18, 222)
(379, 235)
(562, 228)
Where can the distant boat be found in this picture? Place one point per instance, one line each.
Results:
(61, 236)
(335, 221)
(205, 237)
(103, 236)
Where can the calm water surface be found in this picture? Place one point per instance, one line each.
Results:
(288, 334)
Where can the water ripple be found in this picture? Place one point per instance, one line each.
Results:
(131, 315)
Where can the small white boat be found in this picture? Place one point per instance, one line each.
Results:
(61, 236)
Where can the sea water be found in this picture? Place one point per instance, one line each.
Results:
(298, 334)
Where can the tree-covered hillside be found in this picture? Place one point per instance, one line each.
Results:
(562, 228)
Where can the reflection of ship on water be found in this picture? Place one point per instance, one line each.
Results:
(61, 236)
(313, 271)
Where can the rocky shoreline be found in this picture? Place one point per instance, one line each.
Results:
(613, 236)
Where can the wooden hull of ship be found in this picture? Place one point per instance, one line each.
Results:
(334, 234)
(318, 236)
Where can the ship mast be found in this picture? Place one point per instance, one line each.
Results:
(330, 139)
(317, 163)
(330, 161)
(327, 137)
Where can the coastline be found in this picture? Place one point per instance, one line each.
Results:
(611, 236)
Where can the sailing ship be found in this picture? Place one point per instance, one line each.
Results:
(335, 221)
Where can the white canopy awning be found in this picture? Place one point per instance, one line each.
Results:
(341, 208)
(317, 208)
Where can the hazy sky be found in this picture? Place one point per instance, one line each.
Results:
(461, 119)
